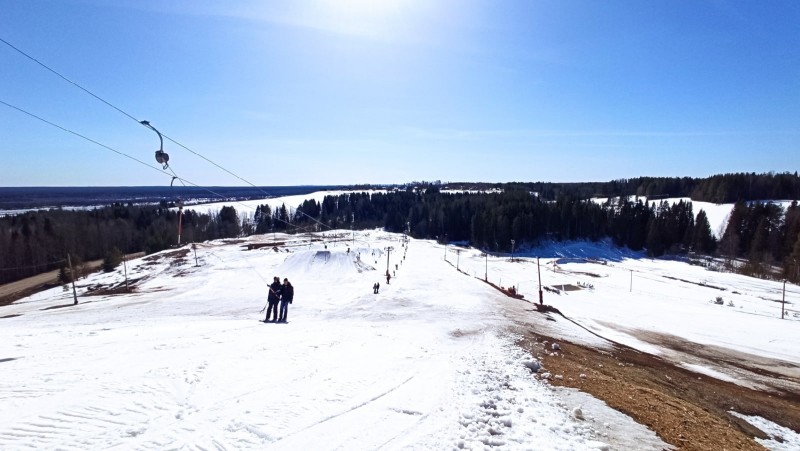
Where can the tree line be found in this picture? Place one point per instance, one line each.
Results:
(760, 238)
(721, 188)
(38, 241)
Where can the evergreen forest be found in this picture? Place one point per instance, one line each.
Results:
(760, 238)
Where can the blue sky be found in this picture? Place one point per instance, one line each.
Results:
(360, 91)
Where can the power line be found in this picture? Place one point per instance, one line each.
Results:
(65, 78)
(120, 110)
(82, 136)
(139, 161)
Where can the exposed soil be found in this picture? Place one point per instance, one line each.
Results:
(14, 291)
(686, 409)
(176, 254)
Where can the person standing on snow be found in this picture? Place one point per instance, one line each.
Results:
(287, 294)
(273, 298)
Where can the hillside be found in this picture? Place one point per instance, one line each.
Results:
(437, 360)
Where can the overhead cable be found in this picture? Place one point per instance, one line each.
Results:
(182, 180)
(120, 110)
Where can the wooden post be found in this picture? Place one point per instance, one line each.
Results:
(539, 270)
(630, 290)
(180, 223)
(72, 279)
(125, 267)
(783, 301)
(388, 253)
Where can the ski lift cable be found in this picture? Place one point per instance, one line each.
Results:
(65, 78)
(173, 176)
(81, 136)
(146, 124)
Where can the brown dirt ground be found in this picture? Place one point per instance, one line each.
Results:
(686, 409)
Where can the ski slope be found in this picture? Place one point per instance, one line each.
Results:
(430, 362)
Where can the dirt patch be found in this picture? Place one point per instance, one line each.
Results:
(252, 246)
(105, 290)
(566, 287)
(684, 408)
(458, 333)
(11, 298)
(510, 291)
(54, 307)
(176, 254)
(699, 284)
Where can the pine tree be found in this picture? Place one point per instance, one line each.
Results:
(703, 240)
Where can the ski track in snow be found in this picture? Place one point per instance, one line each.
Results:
(428, 363)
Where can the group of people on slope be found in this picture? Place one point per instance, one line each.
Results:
(279, 293)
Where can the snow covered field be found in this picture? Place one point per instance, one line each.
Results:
(428, 363)
(247, 207)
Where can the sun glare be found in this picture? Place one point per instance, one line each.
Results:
(363, 17)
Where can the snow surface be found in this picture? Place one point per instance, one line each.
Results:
(428, 363)
(247, 207)
(781, 438)
(183, 362)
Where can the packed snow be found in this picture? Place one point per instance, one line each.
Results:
(430, 362)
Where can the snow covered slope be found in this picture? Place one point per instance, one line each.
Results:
(183, 362)
(428, 363)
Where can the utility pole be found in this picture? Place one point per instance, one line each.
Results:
(512, 250)
(458, 258)
(539, 270)
(445, 247)
(630, 290)
(486, 272)
(72, 279)
(125, 267)
(180, 222)
(194, 248)
(783, 301)
(388, 253)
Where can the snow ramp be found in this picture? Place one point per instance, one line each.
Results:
(316, 262)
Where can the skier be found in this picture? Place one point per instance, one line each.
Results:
(375, 288)
(287, 294)
(273, 297)
(388, 276)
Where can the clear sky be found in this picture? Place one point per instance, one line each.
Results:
(358, 91)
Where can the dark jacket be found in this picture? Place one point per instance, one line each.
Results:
(274, 292)
(287, 293)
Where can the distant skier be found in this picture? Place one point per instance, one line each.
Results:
(287, 294)
(375, 288)
(388, 277)
(273, 298)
